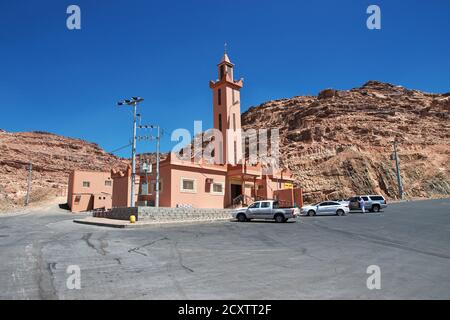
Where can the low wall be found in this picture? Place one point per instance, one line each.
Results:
(182, 214)
(117, 213)
(164, 214)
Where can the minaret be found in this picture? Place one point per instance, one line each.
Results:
(227, 112)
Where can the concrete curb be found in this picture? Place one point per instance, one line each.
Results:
(113, 223)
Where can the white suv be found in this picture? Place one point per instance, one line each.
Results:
(373, 203)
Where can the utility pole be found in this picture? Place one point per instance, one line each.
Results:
(397, 165)
(158, 138)
(133, 102)
(30, 170)
(158, 141)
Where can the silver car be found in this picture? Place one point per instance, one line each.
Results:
(325, 208)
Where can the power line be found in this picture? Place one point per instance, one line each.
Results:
(123, 147)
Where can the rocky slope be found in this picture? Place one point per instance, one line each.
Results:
(53, 157)
(339, 143)
(336, 144)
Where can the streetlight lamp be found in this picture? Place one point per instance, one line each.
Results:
(134, 101)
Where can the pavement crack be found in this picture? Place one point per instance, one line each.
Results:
(136, 249)
(180, 258)
(103, 244)
(46, 287)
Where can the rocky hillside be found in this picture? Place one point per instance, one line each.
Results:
(53, 157)
(339, 143)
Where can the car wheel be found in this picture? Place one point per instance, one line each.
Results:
(311, 213)
(279, 218)
(340, 212)
(241, 217)
(376, 208)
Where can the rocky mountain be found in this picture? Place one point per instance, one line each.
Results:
(336, 144)
(339, 143)
(53, 158)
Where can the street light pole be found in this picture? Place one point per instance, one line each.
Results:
(133, 102)
(133, 157)
(397, 165)
(30, 170)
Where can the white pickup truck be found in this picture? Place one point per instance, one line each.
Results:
(266, 209)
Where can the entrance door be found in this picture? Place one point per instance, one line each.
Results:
(236, 190)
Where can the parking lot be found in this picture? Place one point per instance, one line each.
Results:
(318, 257)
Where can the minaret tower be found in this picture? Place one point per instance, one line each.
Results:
(227, 112)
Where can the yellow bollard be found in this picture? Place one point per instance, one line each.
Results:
(132, 219)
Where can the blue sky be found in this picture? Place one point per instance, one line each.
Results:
(68, 82)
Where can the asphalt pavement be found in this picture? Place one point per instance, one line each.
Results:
(323, 257)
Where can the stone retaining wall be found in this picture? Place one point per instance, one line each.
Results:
(163, 214)
(117, 213)
(182, 214)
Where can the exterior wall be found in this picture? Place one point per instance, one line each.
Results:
(81, 202)
(103, 201)
(298, 197)
(165, 193)
(80, 198)
(70, 189)
(121, 196)
(203, 197)
(286, 197)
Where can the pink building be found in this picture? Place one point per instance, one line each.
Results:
(89, 190)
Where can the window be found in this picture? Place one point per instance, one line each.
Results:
(86, 184)
(220, 122)
(265, 204)
(154, 186)
(144, 188)
(77, 199)
(108, 183)
(222, 71)
(276, 205)
(188, 185)
(219, 97)
(254, 205)
(217, 188)
(235, 152)
(234, 121)
(377, 198)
